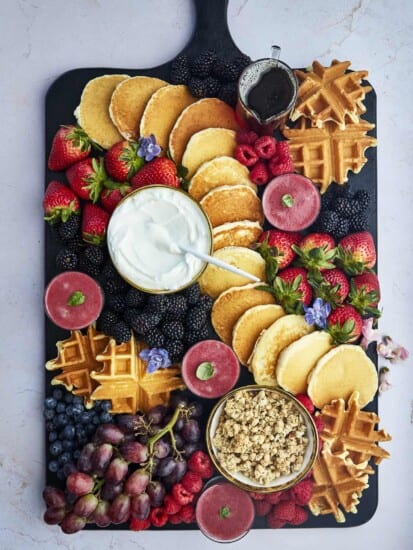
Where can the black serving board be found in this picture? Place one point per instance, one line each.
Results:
(211, 31)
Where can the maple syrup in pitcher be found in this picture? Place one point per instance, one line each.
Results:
(272, 93)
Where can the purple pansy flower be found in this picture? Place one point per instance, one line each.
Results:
(317, 314)
(157, 358)
(148, 148)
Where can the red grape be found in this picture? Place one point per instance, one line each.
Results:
(53, 516)
(109, 433)
(72, 523)
(111, 490)
(156, 492)
(140, 506)
(101, 514)
(85, 505)
(130, 423)
(136, 482)
(117, 470)
(119, 510)
(101, 457)
(79, 483)
(54, 498)
(84, 462)
(133, 451)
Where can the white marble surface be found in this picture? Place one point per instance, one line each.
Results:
(42, 38)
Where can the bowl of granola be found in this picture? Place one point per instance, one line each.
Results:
(261, 439)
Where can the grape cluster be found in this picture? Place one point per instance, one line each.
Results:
(69, 427)
(128, 468)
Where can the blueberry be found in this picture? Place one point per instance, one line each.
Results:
(50, 426)
(53, 466)
(56, 448)
(69, 431)
(77, 400)
(68, 398)
(77, 410)
(64, 458)
(76, 454)
(82, 440)
(60, 474)
(61, 420)
(60, 407)
(90, 429)
(105, 417)
(96, 420)
(68, 444)
(50, 403)
(80, 433)
(52, 436)
(106, 405)
(69, 410)
(48, 414)
(57, 394)
(85, 417)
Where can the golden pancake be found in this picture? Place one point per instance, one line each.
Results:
(216, 172)
(160, 114)
(249, 327)
(232, 303)
(128, 102)
(243, 233)
(271, 342)
(232, 203)
(209, 112)
(215, 280)
(206, 145)
(339, 373)
(297, 360)
(92, 113)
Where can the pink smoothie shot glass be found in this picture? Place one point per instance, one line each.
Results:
(73, 300)
(210, 369)
(224, 512)
(291, 202)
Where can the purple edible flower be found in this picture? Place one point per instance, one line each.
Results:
(157, 358)
(148, 148)
(317, 314)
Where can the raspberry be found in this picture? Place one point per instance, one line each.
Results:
(257, 496)
(200, 463)
(181, 495)
(265, 147)
(302, 492)
(246, 136)
(170, 505)
(284, 167)
(273, 498)
(282, 150)
(187, 514)
(175, 519)
(259, 173)
(192, 482)
(139, 524)
(306, 401)
(319, 423)
(245, 154)
(274, 522)
(158, 517)
(284, 510)
(262, 507)
(300, 516)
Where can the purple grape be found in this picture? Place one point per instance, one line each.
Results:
(101, 457)
(196, 409)
(179, 441)
(54, 516)
(72, 523)
(179, 423)
(85, 505)
(162, 448)
(178, 400)
(133, 451)
(119, 510)
(140, 506)
(177, 474)
(136, 482)
(109, 433)
(111, 490)
(84, 462)
(156, 492)
(79, 483)
(54, 498)
(101, 514)
(166, 466)
(116, 471)
(130, 423)
(190, 448)
(191, 431)
(154, 429)
(156, 414)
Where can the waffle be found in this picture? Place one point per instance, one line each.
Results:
(330, 94)
(126, 383)
(338, 484)
(327, 154)
(353, 430)
(77, 359)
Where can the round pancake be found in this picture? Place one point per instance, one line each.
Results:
(232, 303)
(205, 113)
(160, 114)
(243, 233)
(232, 203)
(218, 171)
(92, 112)
(297, 360)
(206, 145)
(271, 342)
(128, 102)
(215, 280)
(250, 325)
(339, 373)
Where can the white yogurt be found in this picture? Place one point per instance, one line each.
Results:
(146, 232)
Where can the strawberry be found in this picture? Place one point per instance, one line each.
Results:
(122, 160)
(306, 401)
(110, 198)
(59, 202)
(333, 287)
(302, 492)
(356, 253)
(365, 293)
(160, 170)
(276, 249)
(291, 289)
(344, 324)
(87, 177)
(94, 224)
(259, 173)
(316, 251)
(70, 144)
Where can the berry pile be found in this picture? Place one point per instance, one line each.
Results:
(146, 469)
(264, 156)
(69, 426)
(210, 75)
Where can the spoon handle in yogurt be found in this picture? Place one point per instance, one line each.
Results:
(220, 263)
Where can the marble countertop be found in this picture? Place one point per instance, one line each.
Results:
(40, 39)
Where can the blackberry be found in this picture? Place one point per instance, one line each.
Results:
(342, 229)
(205, 302)
(192, 294)
(194, 336)
(180, 72)
(154, 338)
(196, 318)
(157, 303)
(66, 259)
(202, 64)
(120, 332)
(228, 93)
(226, 70)
(76, 243)
(94, 254)
(175, 349)
(363, 199)
(115, 285)
(142, 322)
(326, 200)
(327, 221)
(212, 86)
(87, 267)
(109, 271)
(115, 302)
(177, 305)
(135, 298)
(242, 61)
(197, 87)
(359, 222)
(69, 229)
(345, 207)
(173, 329)
(107, 320)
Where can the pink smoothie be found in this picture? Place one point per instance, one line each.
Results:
(73, 300)
(291, 202)
(210, 369)
(224, 513)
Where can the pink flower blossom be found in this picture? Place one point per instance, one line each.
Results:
(391, 350)
(384, 383)
(370, 334)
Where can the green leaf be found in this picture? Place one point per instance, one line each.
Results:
(224, 512)
(205, 371)
(76, 299)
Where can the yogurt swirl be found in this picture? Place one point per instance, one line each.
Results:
(146, 233)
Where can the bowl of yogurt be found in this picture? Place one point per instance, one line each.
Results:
(149, 235)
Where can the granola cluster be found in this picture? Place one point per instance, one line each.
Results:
(261, 435)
